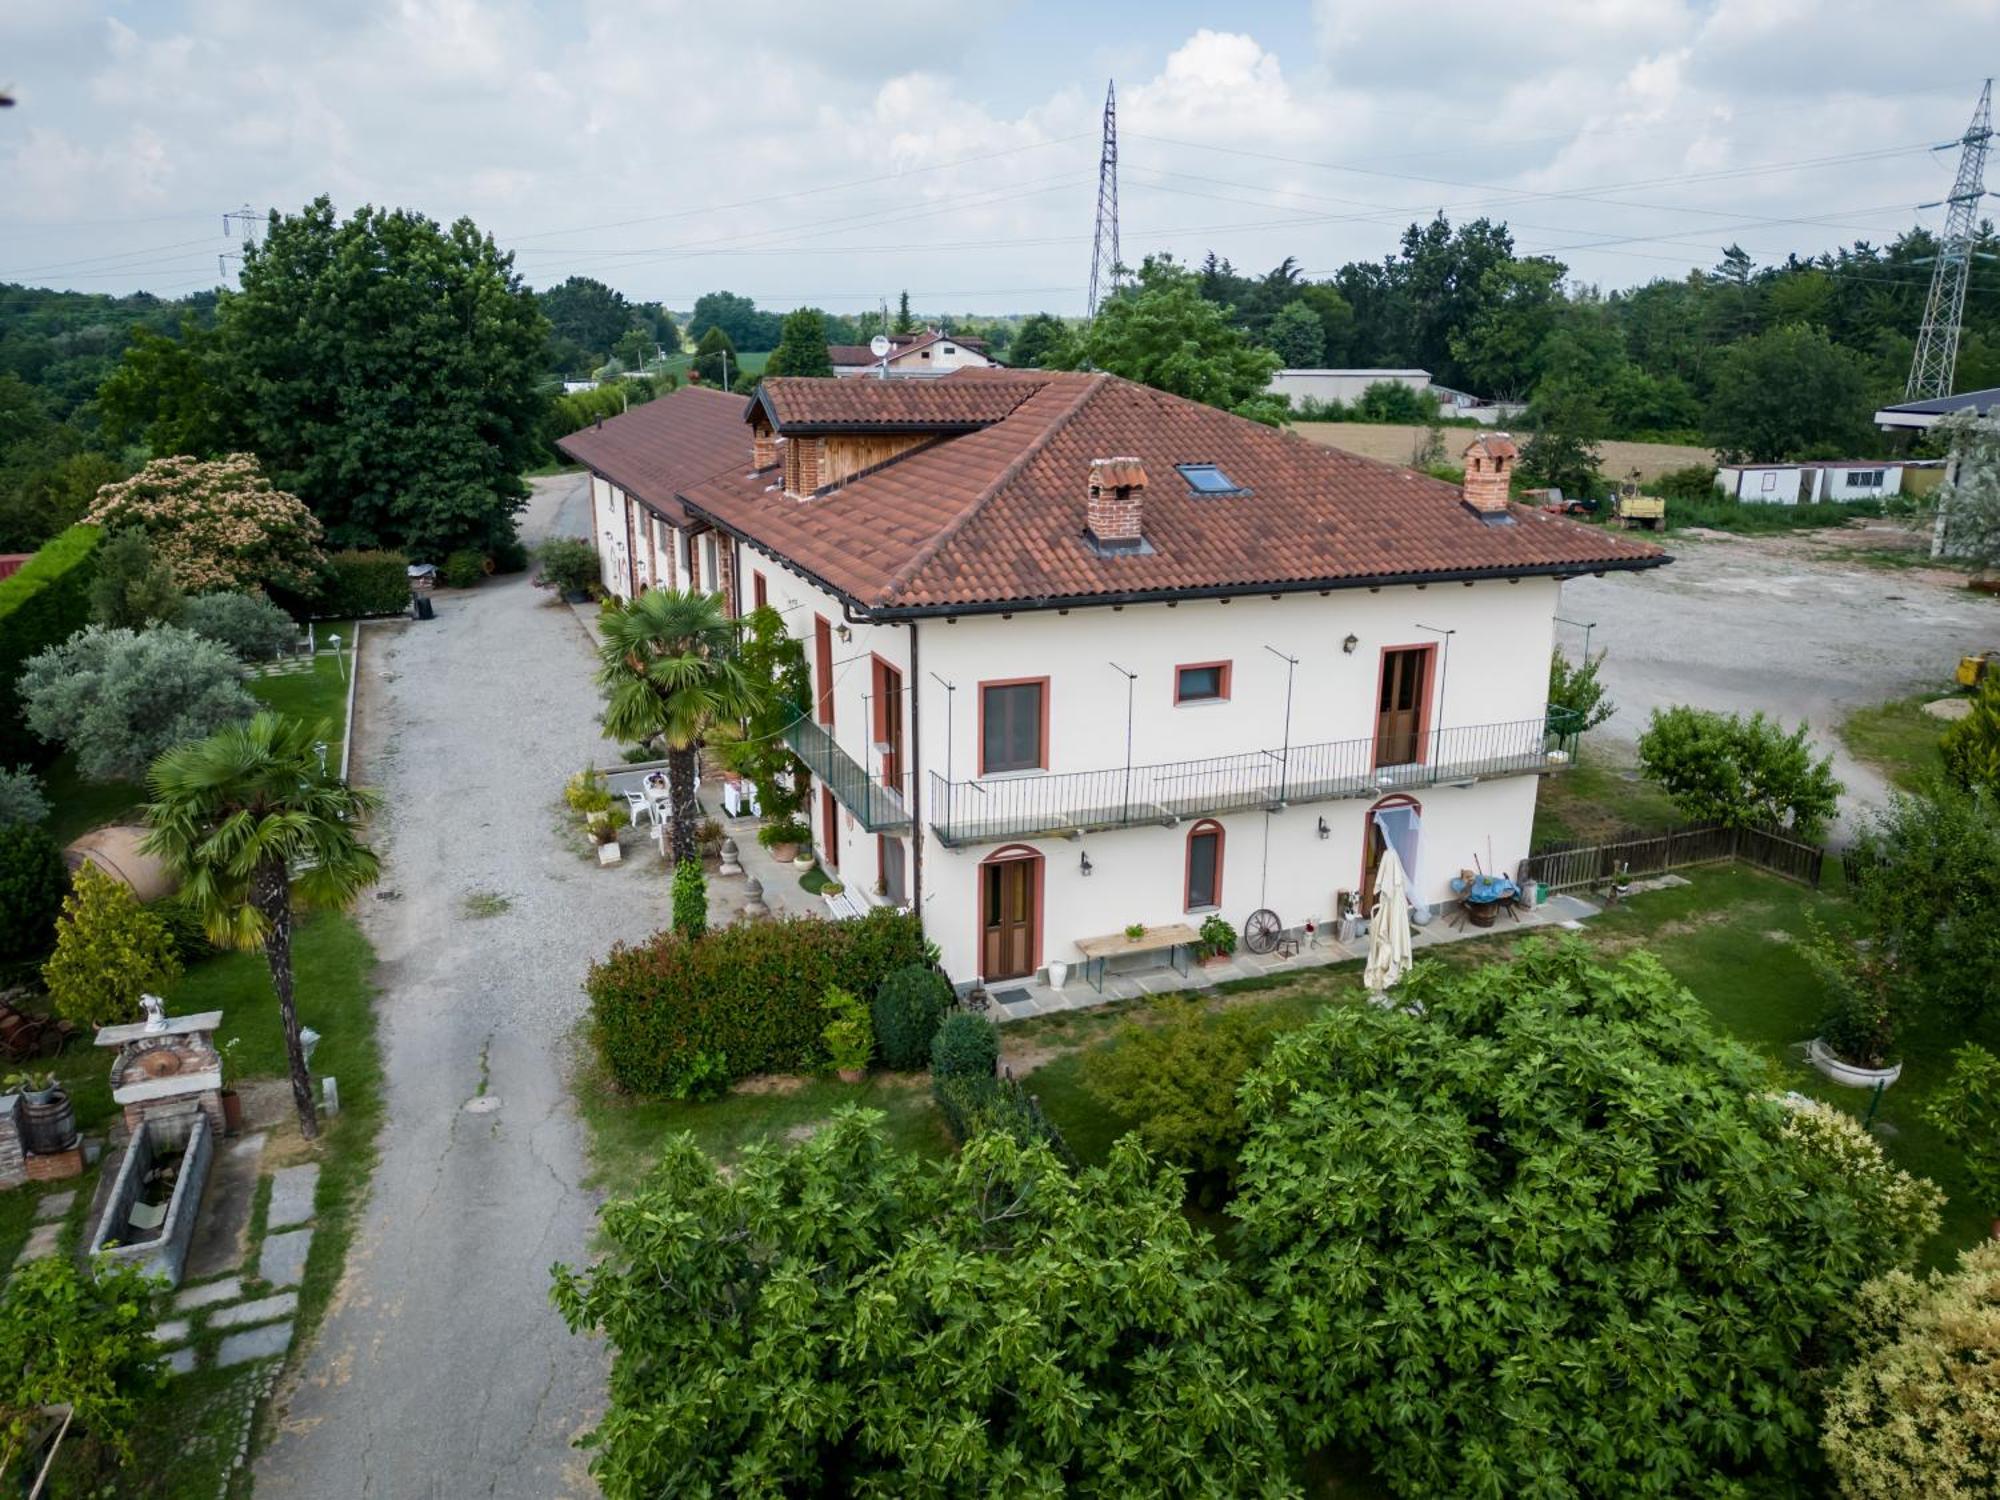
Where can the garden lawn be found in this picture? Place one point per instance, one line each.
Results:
(1596, 800)
(1898, 739)
(76, 806)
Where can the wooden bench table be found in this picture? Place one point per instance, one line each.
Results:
(1175, 938)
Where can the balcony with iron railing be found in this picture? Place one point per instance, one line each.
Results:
(994, 809)
(878, 808)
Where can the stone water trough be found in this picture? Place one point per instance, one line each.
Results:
(168, 1076)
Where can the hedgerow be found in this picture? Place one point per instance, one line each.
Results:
(47, 601)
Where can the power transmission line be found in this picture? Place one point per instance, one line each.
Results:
(1106, 235)
(1936, 361)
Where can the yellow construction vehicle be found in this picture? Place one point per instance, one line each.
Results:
(1972, 670)
(1634, 509)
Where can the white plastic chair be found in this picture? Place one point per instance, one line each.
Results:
(639, 807)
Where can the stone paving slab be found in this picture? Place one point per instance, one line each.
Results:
(44, 1240)
(222, 1224)
(181, 1361)
(53, 1205)
(282, 1262)
(259, 1343)
(292, 1195)
(173, 1331)
(226, 1290)
(261, 1311)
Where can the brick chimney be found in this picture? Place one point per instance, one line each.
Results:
(1116, 507)
(763, 445)
(1489, 465)
(802, 466)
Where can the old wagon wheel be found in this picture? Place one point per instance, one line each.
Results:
(1262, 930)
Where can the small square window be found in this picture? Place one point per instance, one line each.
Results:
(1208, 479)
(1207, 682)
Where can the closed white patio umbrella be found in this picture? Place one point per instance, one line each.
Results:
(1389, 925)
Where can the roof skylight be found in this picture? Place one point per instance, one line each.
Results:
(1208, 479)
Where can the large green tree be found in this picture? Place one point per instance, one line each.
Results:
(842, 1318)
(668, 666)
(172, 394)
(255, 828)
(386, 370)
(1927, 871)
(585, 311)
(1294, 334)
(1540, 1230)
(715, 359)
(1160, 331)
(1789, 393)
(1041, 336)
(802, 347)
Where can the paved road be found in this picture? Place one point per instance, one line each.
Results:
(441, 1370)
(1775, 624)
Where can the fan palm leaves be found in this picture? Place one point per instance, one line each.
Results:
(255, 829)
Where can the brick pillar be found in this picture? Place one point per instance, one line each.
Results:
(763, 446)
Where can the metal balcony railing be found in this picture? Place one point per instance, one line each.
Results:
(878, 808)
(993, 809)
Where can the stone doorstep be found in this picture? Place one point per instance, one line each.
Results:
(263, 1310)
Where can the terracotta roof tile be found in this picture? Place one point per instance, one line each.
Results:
(995, 516)
(805, 403)
(654, 451)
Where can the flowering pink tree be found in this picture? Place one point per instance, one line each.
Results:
(219, 523)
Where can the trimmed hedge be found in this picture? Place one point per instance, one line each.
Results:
(43, 604)
(966, 1046)
(33, 882)
(739, 1000)
(361, 584)
(908, 1008)
(463, 569)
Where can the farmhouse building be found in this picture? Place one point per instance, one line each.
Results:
(927, 351)
(1085, 655)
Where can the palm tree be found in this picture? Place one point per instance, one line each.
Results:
(670, 673)
(254, 827)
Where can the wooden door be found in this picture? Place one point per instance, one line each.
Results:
(829, 828)
(889, 723)
(1399, 721)
(1007, 918)
(823, 670)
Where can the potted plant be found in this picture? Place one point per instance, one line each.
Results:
(784, 838)
(1218, 940)
(708, 838)
(1135, 931)
(604, 834)
(569, 566)
(1856, 1043)
(37, 1087)
(48, 1118)
(587, 794)
(849, 1035)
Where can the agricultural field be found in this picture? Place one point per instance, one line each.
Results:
(1394, 444)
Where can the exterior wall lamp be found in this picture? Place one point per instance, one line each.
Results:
(1324, 831)
(1350, 643)
(1084, 859)
(844, 633)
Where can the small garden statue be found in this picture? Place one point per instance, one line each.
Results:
(156, 1012)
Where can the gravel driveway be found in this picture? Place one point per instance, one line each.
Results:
(1783, 624)
(441, 1370)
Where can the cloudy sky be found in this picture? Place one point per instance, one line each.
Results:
(802, 151)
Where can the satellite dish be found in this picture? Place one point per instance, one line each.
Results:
(879, 345)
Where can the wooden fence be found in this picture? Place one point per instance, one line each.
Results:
(1573, 866)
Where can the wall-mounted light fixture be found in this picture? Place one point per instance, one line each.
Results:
(1324, 831)
(1086, 865)
(1350, 643)
(844, 633)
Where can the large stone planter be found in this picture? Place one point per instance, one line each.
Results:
(161, 1251)
(1822, 1057)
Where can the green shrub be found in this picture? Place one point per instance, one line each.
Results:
(33, 882)
(690, 899)
(46, 602)
(463, 569)
(1928, 896)
(1577, 700)
(850, 1040)
(21, 797)
(586, 792)
(133, 588)
(1971, 747)
(109, 951)
(362, 584)
(786, 831)
(909, 1006)
(569, 564)
(252, 627)
(509, 555)
(1178, 1083)
(979, 1106)
(78, 1339)
(1724, 768)
(119, 699)
(1695, 482)
(748, 995)
(966, 1046)
(1965, 1110)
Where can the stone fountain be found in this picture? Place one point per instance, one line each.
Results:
(168, 1077)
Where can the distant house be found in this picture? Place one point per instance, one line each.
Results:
(571, 387)
(1921, 416)
(1833, 480)
(1348, 386)
(927, 351)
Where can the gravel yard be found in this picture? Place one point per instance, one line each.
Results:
(1794, 625)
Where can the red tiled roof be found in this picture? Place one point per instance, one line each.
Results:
(995, 516)
(654, 451)
(808, 403)
(899, 344)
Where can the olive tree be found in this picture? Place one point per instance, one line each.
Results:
(1540, 1231)
(839, 1318)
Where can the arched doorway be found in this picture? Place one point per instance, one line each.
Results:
(1010, 913)
(1396, 820)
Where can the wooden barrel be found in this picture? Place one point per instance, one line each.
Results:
(49, 1126)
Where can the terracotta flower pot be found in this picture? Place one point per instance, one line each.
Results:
(851, 1075)
(784, 853)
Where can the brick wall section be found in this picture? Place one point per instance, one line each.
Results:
(808, 464)
(725, 564)
(1115, 511)
(763, 446)
(1489, 467)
